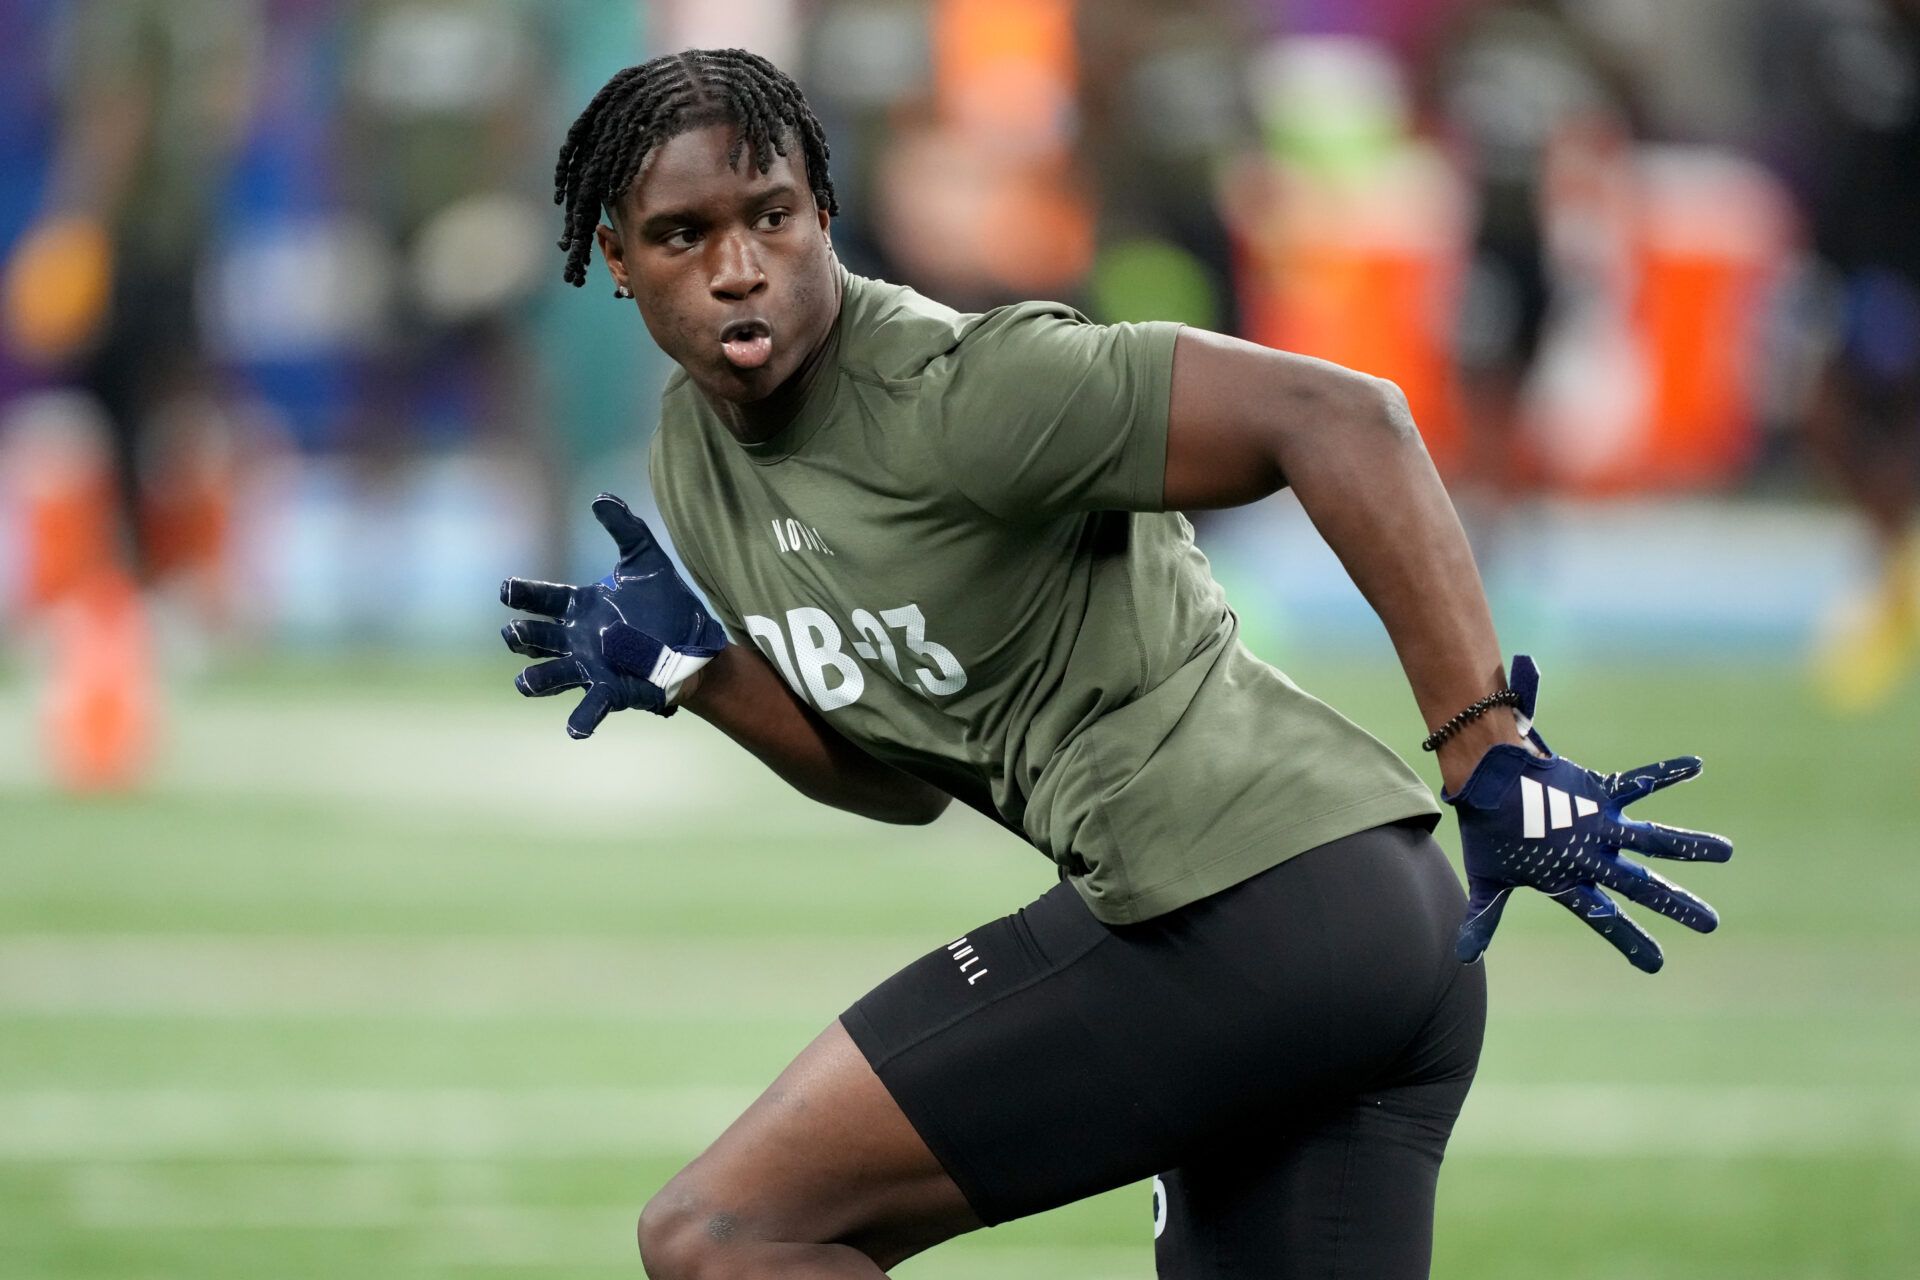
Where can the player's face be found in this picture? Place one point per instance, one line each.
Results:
(732, 268)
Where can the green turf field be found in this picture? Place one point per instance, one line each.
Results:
(391, 979)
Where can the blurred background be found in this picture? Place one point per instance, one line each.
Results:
(322, 953)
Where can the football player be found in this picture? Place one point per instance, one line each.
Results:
(945, 559)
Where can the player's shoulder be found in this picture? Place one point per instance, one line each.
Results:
(894, 334)
(679, 406)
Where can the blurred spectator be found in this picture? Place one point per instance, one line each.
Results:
(446, 152)
(865, 64)
(1163, 109)
(1346, 225)
(102, 285)
(1525, 100)
(1847, 75)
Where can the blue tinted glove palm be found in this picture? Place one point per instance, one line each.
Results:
(1547, 823)
(629, 640)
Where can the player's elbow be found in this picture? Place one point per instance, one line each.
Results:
(914, 808)
(1371, 425)
(895, 798)
(1335, 411)
(1387, 410)
(1366, 406)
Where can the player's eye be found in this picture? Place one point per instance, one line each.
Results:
(774, 219)
(682, 238)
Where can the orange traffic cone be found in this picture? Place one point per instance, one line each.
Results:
(100, 709)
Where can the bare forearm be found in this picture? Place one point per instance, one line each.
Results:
(744, 698)
(1368, 485)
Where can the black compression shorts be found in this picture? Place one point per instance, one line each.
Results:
(1289, 1055)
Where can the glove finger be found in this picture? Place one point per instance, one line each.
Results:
(533, 596)
(1635, 784)
(590, 712)
(1649, 890)
(536, 639)
(543, 679)
(640, 555)
(1607, 920)
(1678, 843)
(1484, 906)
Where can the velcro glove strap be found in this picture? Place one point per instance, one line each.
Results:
(665, 666)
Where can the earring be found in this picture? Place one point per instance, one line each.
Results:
(621, 291)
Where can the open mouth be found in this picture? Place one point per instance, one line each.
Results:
(748, 344)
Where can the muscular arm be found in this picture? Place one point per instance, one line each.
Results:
(742, 696)
(1246, 421)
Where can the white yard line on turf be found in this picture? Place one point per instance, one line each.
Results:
(467, 977)
(360, 1124)
(1562, 1120)
(511, 766)
(464, 978)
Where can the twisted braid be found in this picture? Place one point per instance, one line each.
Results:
(644, 106)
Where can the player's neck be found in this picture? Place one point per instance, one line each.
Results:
(768, 417)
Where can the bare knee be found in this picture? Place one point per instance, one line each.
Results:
(679, 1232)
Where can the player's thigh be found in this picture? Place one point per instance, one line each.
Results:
(1349, 1192)
(1345, 1188)
(1046, 1057)
(824, 1155)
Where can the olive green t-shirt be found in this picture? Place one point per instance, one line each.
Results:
(954, 553)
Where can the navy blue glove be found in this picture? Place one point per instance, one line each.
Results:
(1552, 825)
(629, 639)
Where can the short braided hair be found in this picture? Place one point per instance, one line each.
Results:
(645, 105)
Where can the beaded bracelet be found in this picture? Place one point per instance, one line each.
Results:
(1504, 698)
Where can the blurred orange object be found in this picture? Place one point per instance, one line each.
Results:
(1652, 382)
(56, 288)
(1649, 385)
(1007, 69)
(1039, 232)
(1358, 269)
(1005, 76)
(59, 482)
(188, 480)
(1714, 238)
(187, 535)
(99, 715)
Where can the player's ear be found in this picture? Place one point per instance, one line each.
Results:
(826, 231)
(613, 251)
